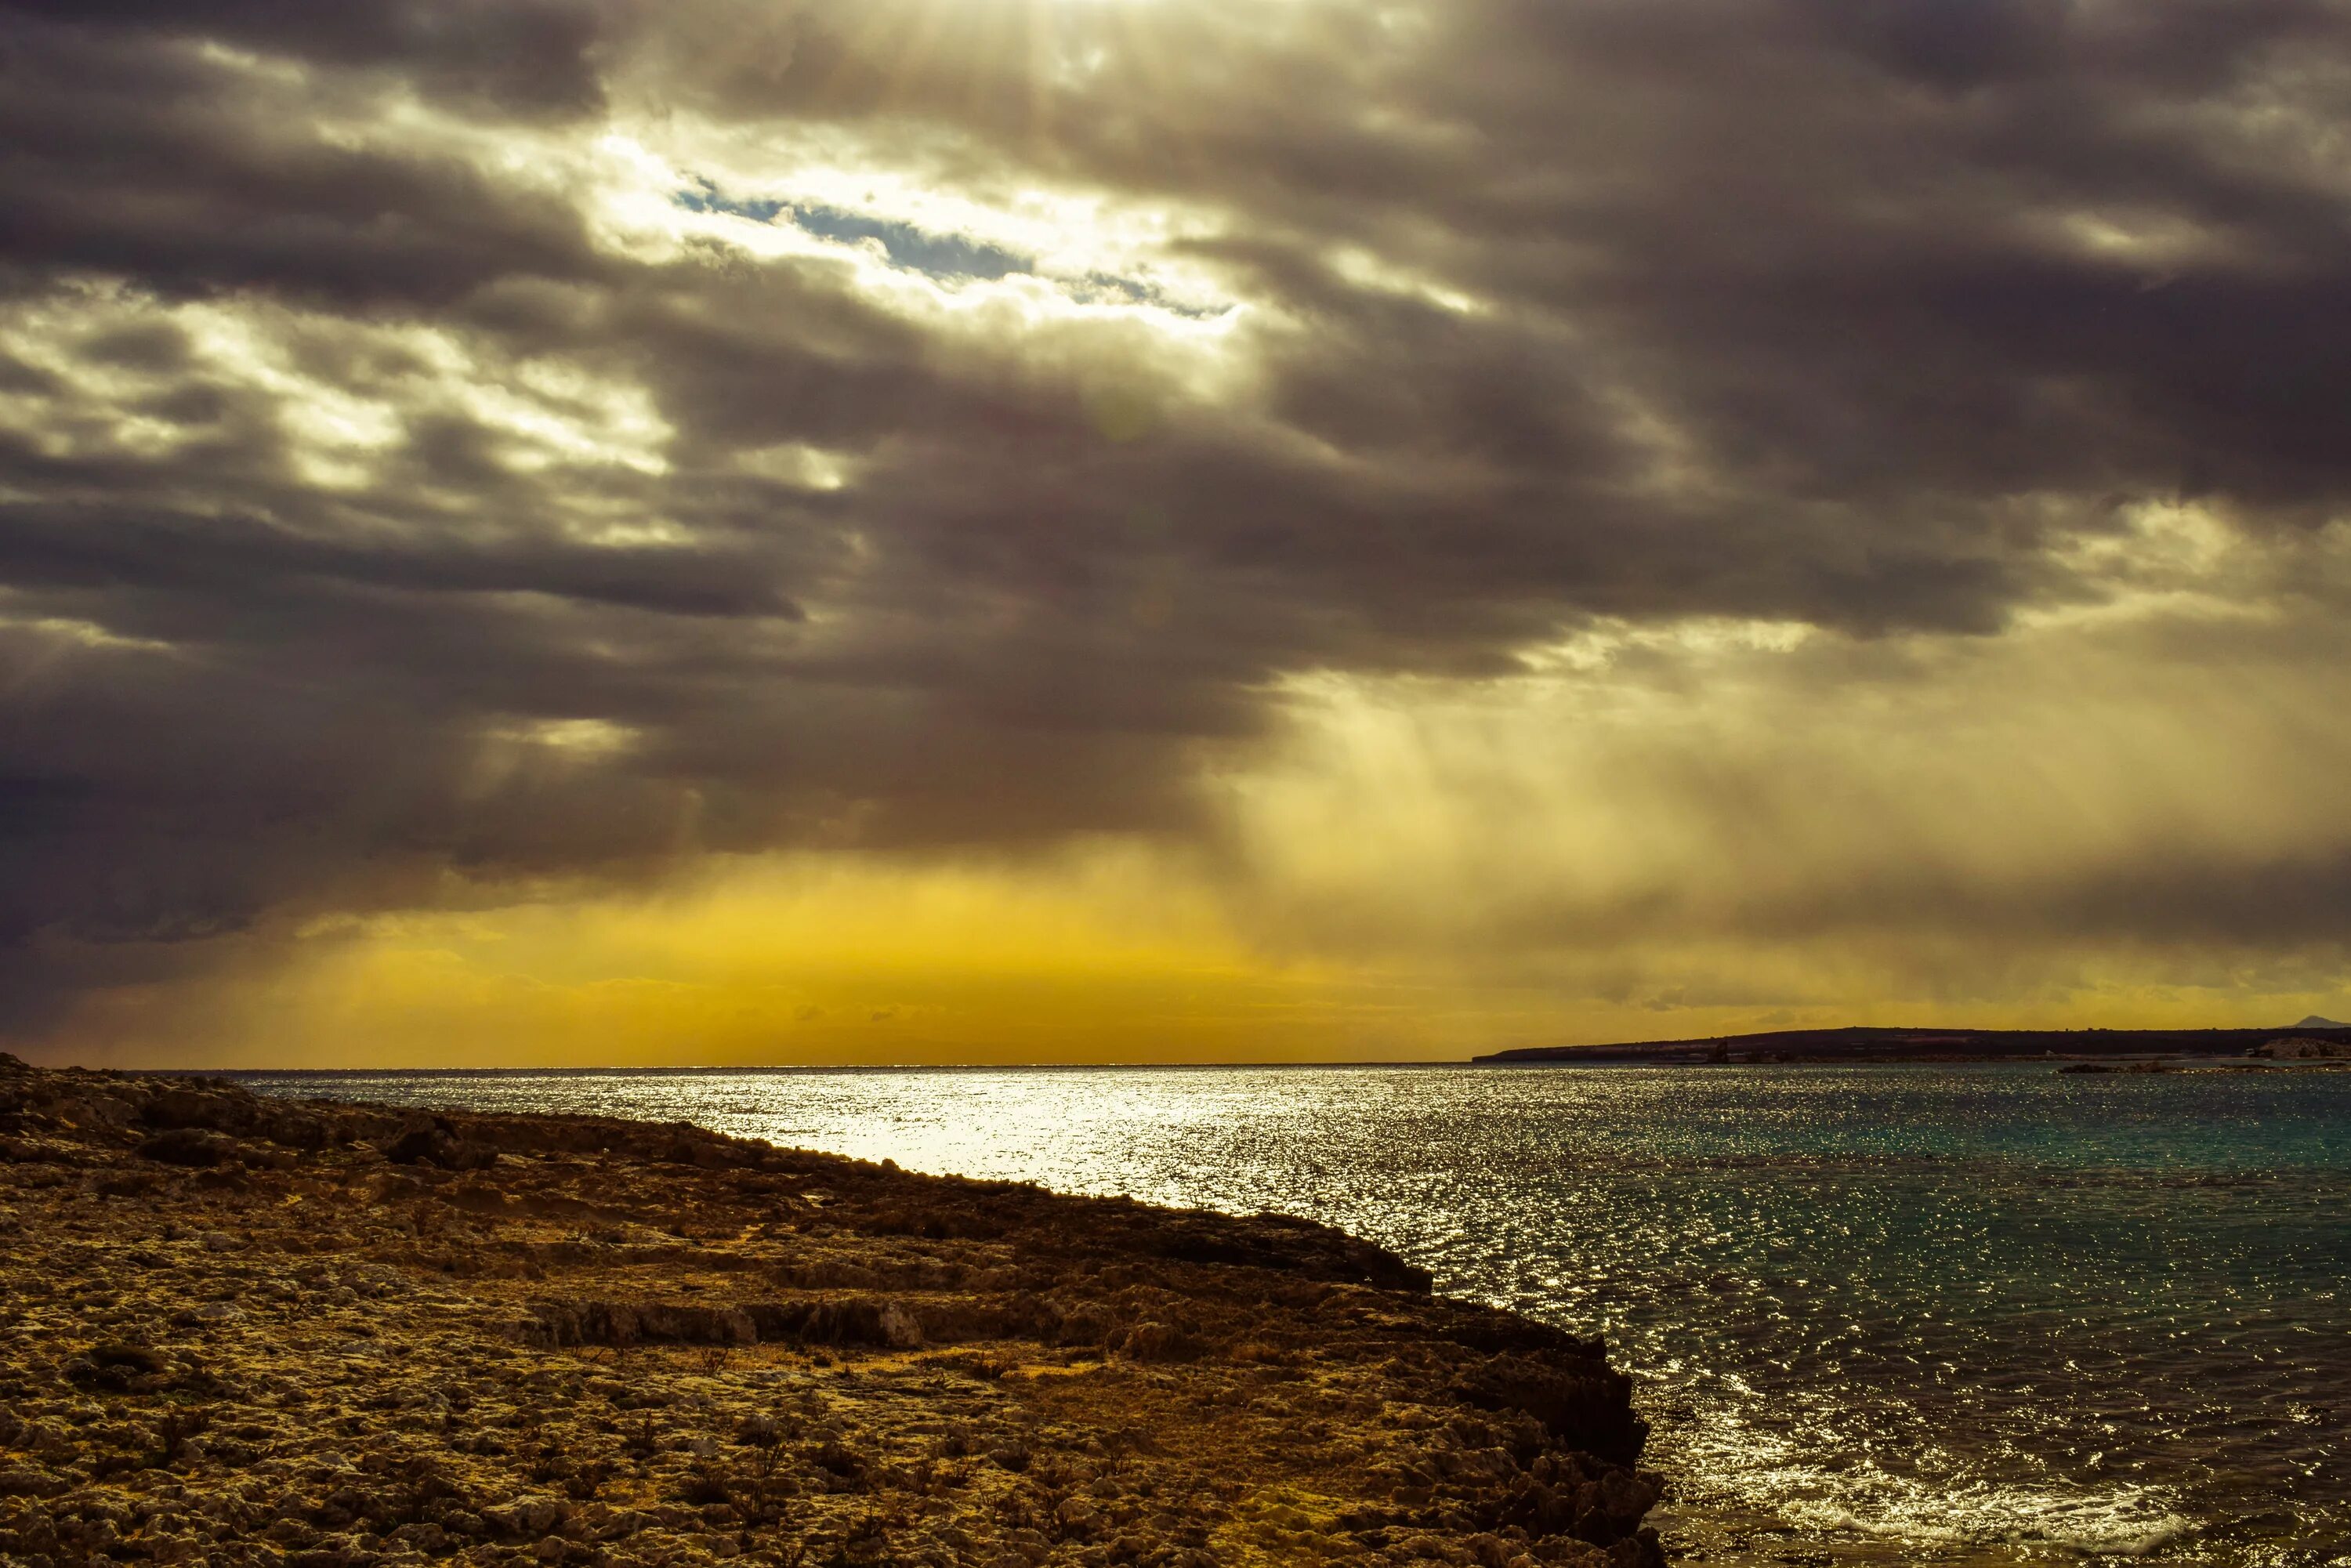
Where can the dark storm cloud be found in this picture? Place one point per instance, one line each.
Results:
(137, 157)
(518, 56)
(1852, 312)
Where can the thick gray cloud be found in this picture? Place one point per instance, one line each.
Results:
(378, 506)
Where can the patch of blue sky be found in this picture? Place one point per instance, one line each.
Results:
(940, 256)
(1109, 288)
(916, 250)
(944, 256)
(704, 197)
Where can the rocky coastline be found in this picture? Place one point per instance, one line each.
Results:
(249, 1331)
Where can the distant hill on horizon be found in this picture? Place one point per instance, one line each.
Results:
(1866, 1043)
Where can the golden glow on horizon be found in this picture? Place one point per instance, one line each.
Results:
(793, 962)
(1420, 869)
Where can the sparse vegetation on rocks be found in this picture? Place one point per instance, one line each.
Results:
(246, 1331)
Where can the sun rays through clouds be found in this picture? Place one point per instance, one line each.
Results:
(1164, 527)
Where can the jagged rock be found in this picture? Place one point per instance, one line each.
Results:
(1587, 1406)
(188, 1147)
(135, 1357)
(624, 1323)
(435, 1140)
(30, 1480)
(529, 1518)
(181, 1108)
(296, 1129)
(1158, 1342)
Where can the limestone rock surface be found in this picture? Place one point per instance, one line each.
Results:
(246, 1331)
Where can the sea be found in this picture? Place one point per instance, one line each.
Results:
(1876, 1314)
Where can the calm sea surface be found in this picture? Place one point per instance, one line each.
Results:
(1950, 1315)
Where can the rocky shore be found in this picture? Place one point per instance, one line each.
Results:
(243, 1331)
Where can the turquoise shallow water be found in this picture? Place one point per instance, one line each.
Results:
(1957, 1314)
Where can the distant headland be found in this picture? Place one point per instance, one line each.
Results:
(2312, 1038)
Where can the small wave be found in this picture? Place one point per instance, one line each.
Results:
(2120, 1525)
(2151, 1542)
(1938, 1505)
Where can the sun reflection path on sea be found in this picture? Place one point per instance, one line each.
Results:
(1942, 1315)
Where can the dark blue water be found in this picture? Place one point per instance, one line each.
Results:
(1952, 1314)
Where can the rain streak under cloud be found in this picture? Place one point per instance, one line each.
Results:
(926, 529)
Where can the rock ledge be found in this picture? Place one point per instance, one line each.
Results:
(246, 1331)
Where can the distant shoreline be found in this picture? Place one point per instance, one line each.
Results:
(1862, 1045)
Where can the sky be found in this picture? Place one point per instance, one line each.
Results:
(730, 531)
